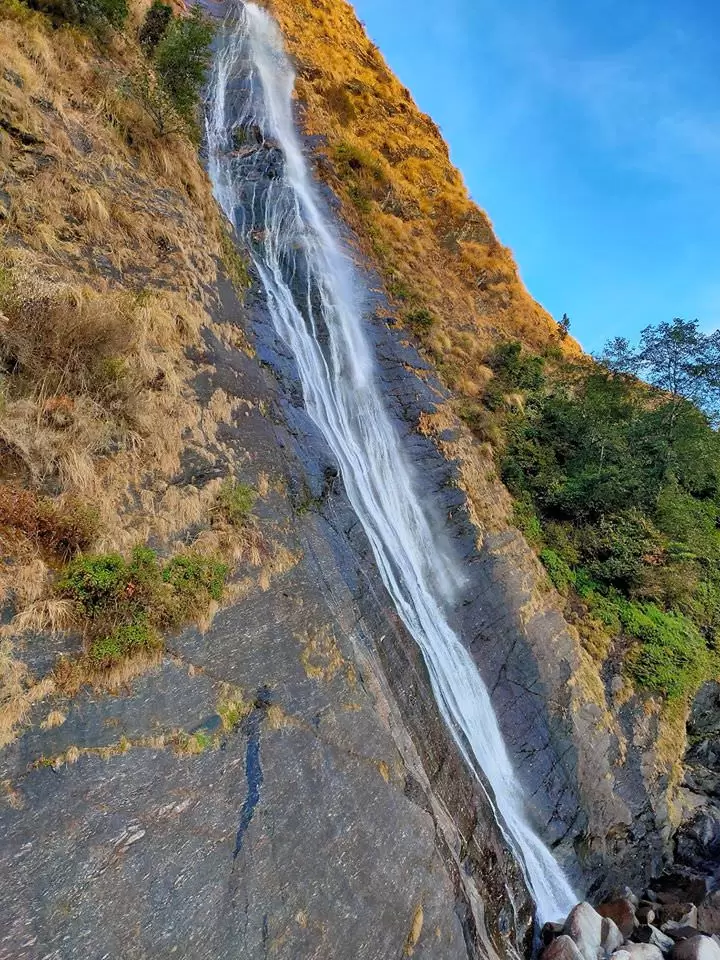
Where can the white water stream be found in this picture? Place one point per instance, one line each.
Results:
(313, 297)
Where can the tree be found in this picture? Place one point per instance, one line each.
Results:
(181, 60)
(678, 359)
(154, 26)
(564, 326)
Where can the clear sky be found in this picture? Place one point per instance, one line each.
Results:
(589, 130)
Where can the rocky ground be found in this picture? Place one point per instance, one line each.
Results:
(679, 923)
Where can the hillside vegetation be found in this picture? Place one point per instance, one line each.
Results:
(617, 484)
(110, 243)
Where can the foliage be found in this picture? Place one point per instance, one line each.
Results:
(558, 570)
(88, 13)
(234, 263)
(677, 358)
(124, 641)
(154, 26)
(618, 485)
(235, 502)
(421, 319)
(673, 657)
(126, 603)
(181, 59)
(516, 368)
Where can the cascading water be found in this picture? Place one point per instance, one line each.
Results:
(313, 298)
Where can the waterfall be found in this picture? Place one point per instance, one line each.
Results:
(316, 304)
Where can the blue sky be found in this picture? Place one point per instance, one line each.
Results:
(589, 130)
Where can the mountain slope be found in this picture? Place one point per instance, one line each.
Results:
(439, 258)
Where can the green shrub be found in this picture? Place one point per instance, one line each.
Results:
(562, 576)
(235, 264)
(527, 521)
(518, 369)
(126, 603)
(123, 642)
(87, 13)
(672, 657)
(195, 579)
(95, 582)
(235, 502)
(421, 319)
(154, 26)
(181, 59)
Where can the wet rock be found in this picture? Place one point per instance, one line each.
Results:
(680, 887)
(705, 714)
(697, 842)
(679, 932)
(708, 918)
(696, 948)
(562, 948)
(647, 933)
(622, 912)
(585, 925)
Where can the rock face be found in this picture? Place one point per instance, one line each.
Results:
(336, 819)
(708, 915)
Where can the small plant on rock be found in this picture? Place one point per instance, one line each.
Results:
(124, 604)
(235, 502)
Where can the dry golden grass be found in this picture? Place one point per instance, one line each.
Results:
(108, 255)
(434, 247)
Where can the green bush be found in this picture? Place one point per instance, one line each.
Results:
(235, 502)
(526, 520)
(95, 582)
(672, 657)
(123, 642)
(126, 603)
(421, 319)
(154, 26)
(181, 59)
(87, 13)
(562, 576)
(518, 370)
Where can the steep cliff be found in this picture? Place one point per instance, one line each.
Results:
(277, 780)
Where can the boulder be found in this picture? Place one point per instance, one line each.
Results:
(643, 951)
(562, 948)
(622, 912)
(646, 933)
(611, 937)
(550, 932)
(708, 918)
(684, 914)
(647, 911)
(585, 926)
(697, 948)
